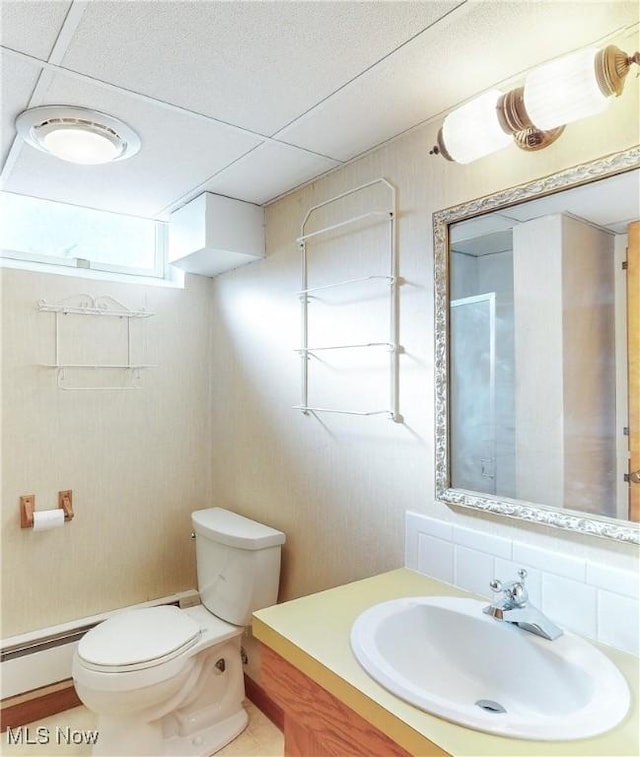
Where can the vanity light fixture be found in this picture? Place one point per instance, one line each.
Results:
(534, 115)
(456, 141)
(78, 135)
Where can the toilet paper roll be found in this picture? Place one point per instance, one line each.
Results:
(43, 520)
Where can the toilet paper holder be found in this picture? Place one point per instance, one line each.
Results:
(28, 505)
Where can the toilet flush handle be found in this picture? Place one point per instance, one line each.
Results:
(193, 534)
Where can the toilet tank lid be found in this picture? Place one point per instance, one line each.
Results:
(234, 530)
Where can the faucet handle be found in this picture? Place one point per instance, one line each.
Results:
(514, 591)
(518, 594)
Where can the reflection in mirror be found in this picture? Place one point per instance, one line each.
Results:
(539, 382)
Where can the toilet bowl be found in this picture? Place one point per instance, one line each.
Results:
(169, 681)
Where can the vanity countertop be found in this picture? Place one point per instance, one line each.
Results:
(312, 633)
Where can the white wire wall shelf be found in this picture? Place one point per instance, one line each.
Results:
(392, 280)
(347, 282)
(389, 345)
(85, 304)
(309, 409)
(103, 306)
(349, 221)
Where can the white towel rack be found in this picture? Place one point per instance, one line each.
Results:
(391, 279)
(102, 306)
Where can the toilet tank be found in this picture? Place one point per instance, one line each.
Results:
(238, 564)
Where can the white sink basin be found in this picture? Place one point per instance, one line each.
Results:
(443, 655)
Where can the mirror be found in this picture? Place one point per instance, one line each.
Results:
(537, 376)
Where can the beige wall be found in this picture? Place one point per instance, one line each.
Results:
(137, 461)
(339, 485)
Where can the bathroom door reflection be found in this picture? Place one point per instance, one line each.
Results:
(472, 376)
(633, 366)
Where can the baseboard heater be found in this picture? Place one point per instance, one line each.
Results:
(48, 642)
(40, 658)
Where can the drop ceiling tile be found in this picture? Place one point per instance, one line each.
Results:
(32, 27)
(179, 151)
(448, 64)
(379, 105)
(19, 77)
(256, 64)
(267, 172)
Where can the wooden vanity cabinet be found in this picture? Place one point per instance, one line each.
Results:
(316, 723)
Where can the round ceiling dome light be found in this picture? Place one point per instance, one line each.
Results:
(78, 135)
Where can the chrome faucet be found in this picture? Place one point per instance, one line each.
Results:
(512, 607)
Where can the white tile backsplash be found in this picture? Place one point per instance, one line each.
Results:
(437, 528)
(550, 562)
(588, 598)
(473, 570)
(435, 558)
(570, 604)
(492, 545)
(617, 581)
(618, 621)
(411, 532)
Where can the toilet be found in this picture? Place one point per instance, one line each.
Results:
(169, 681)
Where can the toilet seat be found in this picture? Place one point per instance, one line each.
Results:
(211, 631)
(138, 639)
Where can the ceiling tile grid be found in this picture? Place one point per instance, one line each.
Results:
(32, 27)
(258, 65)
(18, 77)
(178, 152)
(270, 170)
(252, 99)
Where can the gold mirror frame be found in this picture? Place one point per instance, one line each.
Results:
(570, 520)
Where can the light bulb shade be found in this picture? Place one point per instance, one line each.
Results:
(78, 135)
(473, 130)
(81, 145)
(564, 90)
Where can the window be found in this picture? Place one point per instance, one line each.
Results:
(42, 231)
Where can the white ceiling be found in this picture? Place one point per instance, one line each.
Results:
(252, 99)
